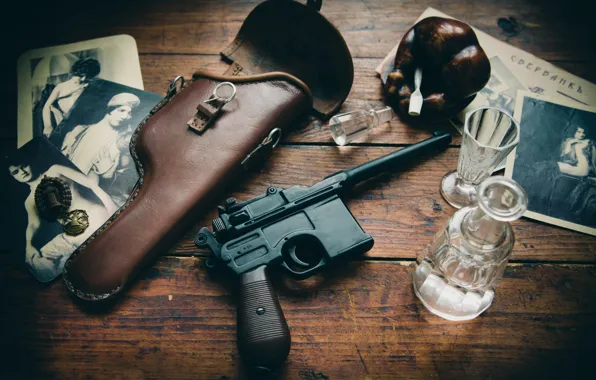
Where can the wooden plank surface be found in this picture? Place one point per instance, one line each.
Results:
(185, 28)
(366, 93)
(401, 211)
(358, 321)
(370, 28)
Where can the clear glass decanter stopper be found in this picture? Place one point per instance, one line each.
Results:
(457, 273)
(349, 126)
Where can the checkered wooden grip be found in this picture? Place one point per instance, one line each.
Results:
(263, 334)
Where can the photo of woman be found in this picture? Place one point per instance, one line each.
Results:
(578, 155)
(96, 146)
(95, 136)
(56, 83)
(47, 244)
(555, 162)
(575, 183)
(101, 148)
(65, 94)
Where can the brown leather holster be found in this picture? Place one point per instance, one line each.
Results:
(181, 173)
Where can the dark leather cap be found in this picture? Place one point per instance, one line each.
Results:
(284, 35)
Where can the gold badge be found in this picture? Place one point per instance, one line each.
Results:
(75, 222)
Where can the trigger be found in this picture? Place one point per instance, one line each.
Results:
(299, 262)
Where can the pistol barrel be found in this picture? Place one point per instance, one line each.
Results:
(399, 159)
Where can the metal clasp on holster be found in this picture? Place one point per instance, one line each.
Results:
(209, 110)
(175, 86)
(262, 150)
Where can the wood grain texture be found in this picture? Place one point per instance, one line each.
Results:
(358, 321)
(366, 93)
(370, 28)
(401, 211)
(184, 28)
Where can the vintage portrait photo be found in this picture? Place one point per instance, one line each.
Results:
(50, 80)
(44, 240)
(54, 95)
(555, 162)
(95, 134)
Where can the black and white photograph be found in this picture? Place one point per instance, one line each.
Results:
(555, 162)
(499, 92)
(52, 79)
(63, 79)
(44, 243)
(96, 133)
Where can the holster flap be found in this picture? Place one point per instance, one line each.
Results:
(284, 35)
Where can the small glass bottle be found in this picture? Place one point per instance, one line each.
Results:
(456, 275)
(349, 126)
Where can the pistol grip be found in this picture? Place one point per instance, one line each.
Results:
(263, 334)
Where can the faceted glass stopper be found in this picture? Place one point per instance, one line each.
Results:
(502, 199)
(350, 126)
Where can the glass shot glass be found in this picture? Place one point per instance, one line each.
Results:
(490, 134)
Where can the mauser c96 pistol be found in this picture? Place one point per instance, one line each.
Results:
(303, 229)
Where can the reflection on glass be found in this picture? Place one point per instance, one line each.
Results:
(490, 134)
(456, 275)
(350, 126)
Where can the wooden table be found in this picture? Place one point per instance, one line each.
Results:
(363, 320)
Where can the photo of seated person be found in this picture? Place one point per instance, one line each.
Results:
(576, 183)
